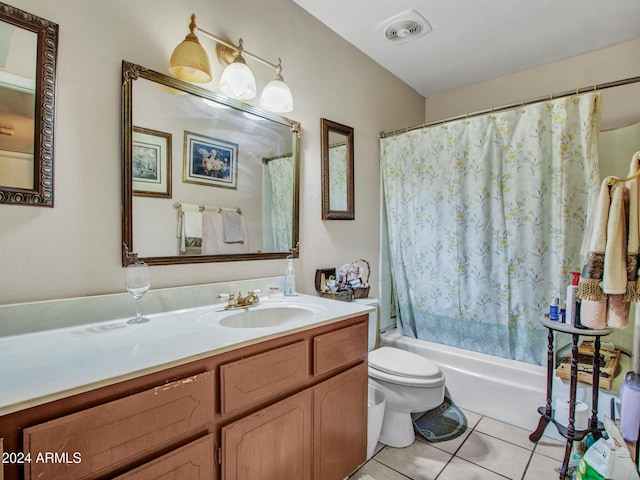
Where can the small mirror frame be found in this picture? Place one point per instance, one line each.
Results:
(326, 127)
(44, 115)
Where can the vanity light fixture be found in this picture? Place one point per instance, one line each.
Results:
(190, 62)
(237, 80)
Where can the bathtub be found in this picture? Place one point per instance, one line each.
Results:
(500, 388)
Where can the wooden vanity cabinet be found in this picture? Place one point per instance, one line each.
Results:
(292, 407)
(319, 433)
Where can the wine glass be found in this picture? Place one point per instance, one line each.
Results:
(138, 283)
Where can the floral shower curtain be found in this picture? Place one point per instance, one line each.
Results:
(486, 217)
(281, 176)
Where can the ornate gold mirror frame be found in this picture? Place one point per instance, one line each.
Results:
(41, 191)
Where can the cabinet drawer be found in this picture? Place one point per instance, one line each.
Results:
(261, 376)
(340, 347)
(193, 461)
(109, 435)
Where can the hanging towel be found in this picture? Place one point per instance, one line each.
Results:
(593, 313)
(618, 311)
(189, 228)
(594, 245)
(213, 236)
(233, 225)
(614, 276)
(633, 292)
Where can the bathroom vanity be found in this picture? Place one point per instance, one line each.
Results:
(291, 402)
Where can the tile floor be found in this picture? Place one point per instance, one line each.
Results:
(488, 450)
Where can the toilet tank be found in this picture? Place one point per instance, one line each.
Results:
(374, 326)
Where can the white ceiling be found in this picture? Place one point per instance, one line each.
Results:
(476, 40)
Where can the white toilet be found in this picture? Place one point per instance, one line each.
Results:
(410, 384)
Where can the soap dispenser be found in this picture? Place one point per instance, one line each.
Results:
(290, 279)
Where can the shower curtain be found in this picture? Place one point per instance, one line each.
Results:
(486, 216)
(281, 176)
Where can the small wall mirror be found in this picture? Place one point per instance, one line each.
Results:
(205, 178)
(28, 53)
(337, 171)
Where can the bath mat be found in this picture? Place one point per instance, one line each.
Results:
(442, 423)
(366, 477)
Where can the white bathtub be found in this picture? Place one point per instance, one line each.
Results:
(507, 390)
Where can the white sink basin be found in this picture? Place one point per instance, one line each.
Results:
(266, 315)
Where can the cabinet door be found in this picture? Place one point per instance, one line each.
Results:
(340, 424)
(271, 444)
(193, 461)
(93, 442)
(1, 456)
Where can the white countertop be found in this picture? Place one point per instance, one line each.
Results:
(39, 367)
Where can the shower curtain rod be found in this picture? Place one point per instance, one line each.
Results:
(594, 88)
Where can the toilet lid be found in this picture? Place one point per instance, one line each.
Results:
(403, 363)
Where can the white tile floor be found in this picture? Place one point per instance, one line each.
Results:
(488, 450)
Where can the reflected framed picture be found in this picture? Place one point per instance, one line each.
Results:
(151, 163)
(210, 161)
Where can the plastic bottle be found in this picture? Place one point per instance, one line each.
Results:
(630, 406)
(290, 279)
(554, 309)
(572, 299)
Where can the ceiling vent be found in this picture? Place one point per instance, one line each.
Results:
(404, 27)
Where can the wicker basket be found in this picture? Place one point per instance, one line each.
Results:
(344, 295)
(363, 292)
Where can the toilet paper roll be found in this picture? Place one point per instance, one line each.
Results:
(562, 414)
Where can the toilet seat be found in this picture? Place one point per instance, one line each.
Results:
(404, 368)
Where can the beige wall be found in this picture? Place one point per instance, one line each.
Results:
(602, 66)
(74, 248)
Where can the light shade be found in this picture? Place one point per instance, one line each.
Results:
(190, 62)
(276, 96)
(237, 80)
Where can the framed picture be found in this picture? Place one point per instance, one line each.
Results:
(151, 163)
(209, 161)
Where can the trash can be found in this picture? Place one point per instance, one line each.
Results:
(630, 406)
(375, 414)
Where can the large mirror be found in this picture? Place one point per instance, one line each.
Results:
(28, 52)
(337, 171)
(205, 178)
